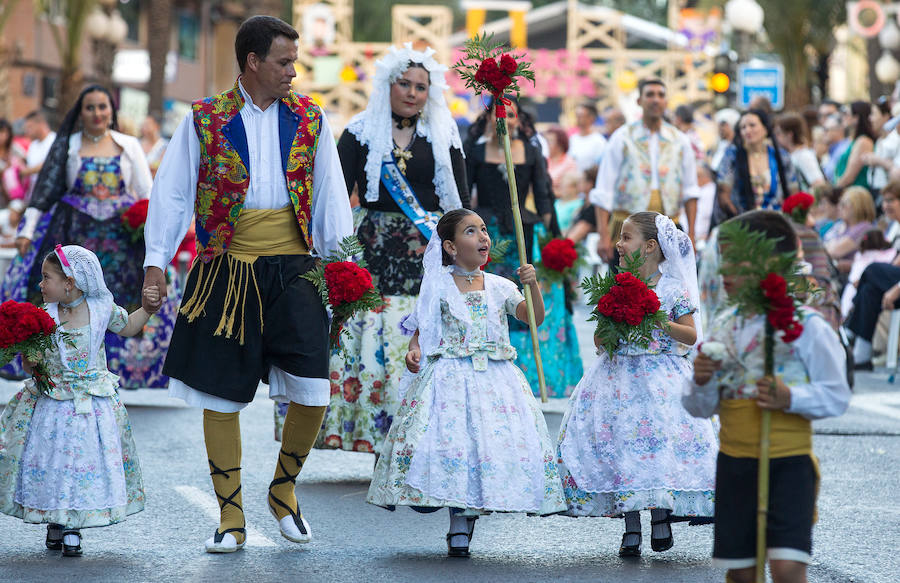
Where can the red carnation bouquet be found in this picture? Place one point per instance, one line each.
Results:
(627, 310)
(134, 219)
(27, 329)
(496, 73)
(345, 286)
(797, 206)
(558, 260)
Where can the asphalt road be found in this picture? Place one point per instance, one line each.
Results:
(854, 541)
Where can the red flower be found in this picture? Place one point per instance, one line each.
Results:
(793, 332)
(485, 263)
(136, 215)
(491, 75)
(559, 254)
(352, 389)
(20, 321)
(363, 446)
(800, 201)
(508, 64)
(773, 286)
(347, 282)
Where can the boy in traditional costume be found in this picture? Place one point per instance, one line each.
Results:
(258, 167)
(729, 379)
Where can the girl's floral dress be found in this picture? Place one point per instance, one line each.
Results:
(468, 433)
(68, 457)
(627, 443)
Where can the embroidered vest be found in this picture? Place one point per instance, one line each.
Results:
(632, 192)
(224, 175)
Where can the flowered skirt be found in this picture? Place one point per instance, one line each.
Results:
(626, 442)
(468, 439)
(62, 467)
(138, 360)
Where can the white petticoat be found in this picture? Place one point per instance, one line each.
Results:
(469, 439)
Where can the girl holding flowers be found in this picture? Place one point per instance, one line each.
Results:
(626, 444)
(67, 456)
(468, 435)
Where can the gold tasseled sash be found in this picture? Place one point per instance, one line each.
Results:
(655, 205)
(258, 233)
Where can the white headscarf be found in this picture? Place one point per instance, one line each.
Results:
(372, 127)
(679, 270)
(83, 266)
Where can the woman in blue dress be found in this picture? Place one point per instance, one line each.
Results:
(90, 178)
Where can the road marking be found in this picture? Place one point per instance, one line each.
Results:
(208, 505)
(887, 404)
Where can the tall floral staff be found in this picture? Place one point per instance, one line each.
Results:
(487, 68)
(751, 257)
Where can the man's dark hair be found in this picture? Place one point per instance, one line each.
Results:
(773, 225)
(256, 35)
(36, 115)
(591, 108)
(650, 81)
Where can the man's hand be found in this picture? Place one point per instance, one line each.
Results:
(605, 247)
(154, 277)
(23, 244)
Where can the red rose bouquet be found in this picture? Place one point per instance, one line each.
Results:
(345, 286)
(558, 260)
(797, 206)
(626, 309)
(27, 329)
(134, 219)
(496, 72)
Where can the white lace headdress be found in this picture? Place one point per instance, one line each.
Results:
(679, 270)
(372, 127)
(83, 266)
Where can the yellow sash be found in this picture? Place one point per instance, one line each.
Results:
(257, 233)
(790, 434)
(618, 217)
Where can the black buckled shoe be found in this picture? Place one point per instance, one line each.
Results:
(665, 543)
(461, 551)
(630, 550)
(54, 537)
(71, 550)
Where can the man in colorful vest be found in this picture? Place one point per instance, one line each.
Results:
(648, 165)
(258, 168)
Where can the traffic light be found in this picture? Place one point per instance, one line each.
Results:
(722, 81)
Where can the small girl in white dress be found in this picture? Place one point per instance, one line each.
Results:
(67, 457)
(468, 435)
(626, 444)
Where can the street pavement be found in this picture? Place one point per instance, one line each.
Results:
(859, 520)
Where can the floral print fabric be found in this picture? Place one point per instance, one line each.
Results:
(468, 438)
(626, 443)
(69, 457)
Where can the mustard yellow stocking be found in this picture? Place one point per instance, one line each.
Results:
(301, 426)
(222, 433)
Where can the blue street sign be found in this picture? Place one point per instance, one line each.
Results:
(766, 80)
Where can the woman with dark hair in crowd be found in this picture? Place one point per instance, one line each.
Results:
(92, 175)
(12, 187)
(887, 146)
(850, 169)
(792, 134)
(754, 173)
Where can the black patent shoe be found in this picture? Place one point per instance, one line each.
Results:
(71, 550)
(864, 366)
(461, 551)
(630, 550)
(54, 537)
